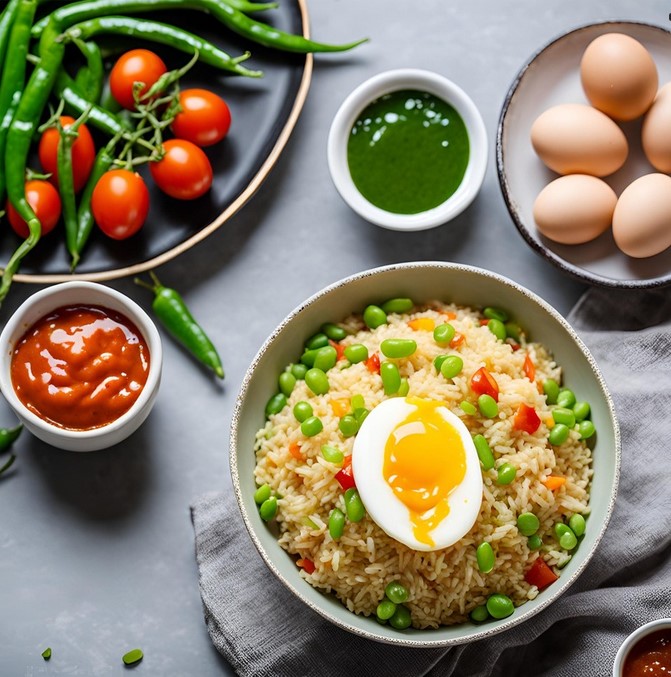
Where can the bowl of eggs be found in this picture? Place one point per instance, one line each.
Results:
(583, 153)
(425, 454)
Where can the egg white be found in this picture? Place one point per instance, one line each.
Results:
(386, 510)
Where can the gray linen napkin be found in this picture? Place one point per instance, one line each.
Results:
(264, 631)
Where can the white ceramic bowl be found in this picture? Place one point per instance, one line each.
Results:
(634, 638)
(393, 81)
(421, 281)
(87, 293)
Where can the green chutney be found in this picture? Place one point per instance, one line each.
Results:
(408, 152)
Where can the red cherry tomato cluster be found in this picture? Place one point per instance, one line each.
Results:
(120, 199)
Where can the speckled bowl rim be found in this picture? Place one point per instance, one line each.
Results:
(575, 271)
(480, 632)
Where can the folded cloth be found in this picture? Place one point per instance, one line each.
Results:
(263, 630)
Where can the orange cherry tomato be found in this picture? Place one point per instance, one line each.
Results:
(204, 118)
(83, 152)
(184, 172)
(138, 65)
(46, 203)
(483, 383)
(120, 203)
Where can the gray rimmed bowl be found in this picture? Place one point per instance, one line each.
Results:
(423, 281)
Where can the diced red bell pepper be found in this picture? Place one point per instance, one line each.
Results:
(340, 350)
(526, 419)
(373, 364)
(540, 574)
(307, 565)
(345, 475)
(483, 383)
(529, 369)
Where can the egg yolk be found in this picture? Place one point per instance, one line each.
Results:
(424, 461)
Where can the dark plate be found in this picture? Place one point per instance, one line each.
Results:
(264, 112)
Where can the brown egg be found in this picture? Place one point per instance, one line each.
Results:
(576, 139)
(574, 209)
(656, 133)
(642, 218)
(619, 76)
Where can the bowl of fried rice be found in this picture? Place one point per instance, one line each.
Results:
(425, 453)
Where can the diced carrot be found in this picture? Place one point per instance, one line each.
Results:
(347, 461)
(373, 364)
(553, 482)
(484, 321)
(307, 565)
(422, 324)
(450, 315)
(540, 574)
(529, 369)
(457, 340)
(340, 407)
(295, 451)
(340, 350)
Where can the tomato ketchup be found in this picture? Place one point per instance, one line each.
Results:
(80, 367)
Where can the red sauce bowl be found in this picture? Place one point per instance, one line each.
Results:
(643, 650)
(110, 326)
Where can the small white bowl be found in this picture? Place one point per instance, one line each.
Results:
(393, 81)
(86, 293)
(634, 638)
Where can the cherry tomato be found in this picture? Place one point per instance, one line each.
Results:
(83, 152)
(184, 171)
(138, 65)
(204, 119)
(120, 203)
(526, 419)
(46, 203)
(483, 383)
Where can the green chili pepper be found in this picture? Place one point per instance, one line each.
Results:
(89, 78)
(235, 19)
(8, 436)
(6, 22)
(163, 34)
(177, 319)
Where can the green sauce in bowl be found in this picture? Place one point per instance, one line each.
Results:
(408, 152)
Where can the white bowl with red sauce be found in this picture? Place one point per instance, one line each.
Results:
(645, 651)
(80, 364)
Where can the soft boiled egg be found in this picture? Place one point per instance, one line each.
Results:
(418, 473)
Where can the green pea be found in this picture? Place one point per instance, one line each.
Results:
(498, 329)
(391, 378)
(559, 434)
(479, 614)
(354, 506)
(299, 370)
(468, 408)
(528, 524)
(438, 361)
(551, 390)
(317, 341)
(374, 317)
(360, 415)
(348, 425)
(275, 404)
(262, 494)
(586, 429)
(404, 388)
(566, 398)
(487, 406)
(268, 509)
(500, 606)
(401, 618)
(317, 382)
(397, 347)
(336, 523)
(492, 313)
(484, 452)
(581, 410)
(396, 592)
(534, 542)
(332, 454)
(561, 529)
(507, 473)
(400, 305)
(326, 358)
(568, 541)
(356, 353)
(577, 524)
(444, 333)
(312, 426)
(565, 416)
(334, 332)
(302, 411)
(514, 331)
(451, 366)
(287, 381)
(357, 402)
(485, 557)
(385, 610)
